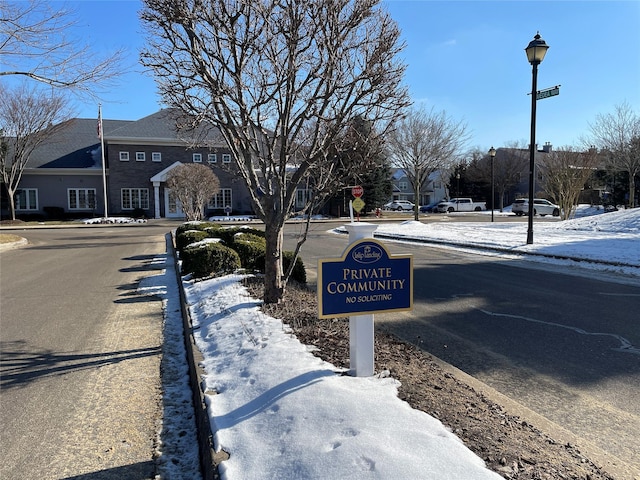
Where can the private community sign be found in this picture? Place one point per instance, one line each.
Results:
(365, 280)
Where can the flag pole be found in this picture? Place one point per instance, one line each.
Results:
(104, 167)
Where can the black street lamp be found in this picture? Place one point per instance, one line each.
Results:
(492, 154)
(535, 54)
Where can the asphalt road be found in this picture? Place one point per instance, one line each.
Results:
(562, 342)
(80, 384)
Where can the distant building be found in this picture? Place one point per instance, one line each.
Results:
(66, 171)
(433, 190)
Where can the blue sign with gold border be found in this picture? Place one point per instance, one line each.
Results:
(367, 279)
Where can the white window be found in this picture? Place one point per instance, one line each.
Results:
(302, 197)
(135, 198)
(140, 157)
(222, 199)
(81, 198)
(212, 158)
(26, 199)
(402, 185)
(197, 158)
(226, 158)
(156, 157)
(124, 156)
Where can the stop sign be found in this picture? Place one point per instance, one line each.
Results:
(357, 191)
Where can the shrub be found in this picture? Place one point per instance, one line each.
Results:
(54, 213)
(251, 251)
(299, 273)
(209, 259)
(249, 237)
(138, 213)
(187, 237)
(203, 226)
(228, 235)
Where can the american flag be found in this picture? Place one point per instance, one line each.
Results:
(99, 122)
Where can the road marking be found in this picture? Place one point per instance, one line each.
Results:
(625, 345)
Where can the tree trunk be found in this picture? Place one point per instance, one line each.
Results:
(12, 203)
(273, 281)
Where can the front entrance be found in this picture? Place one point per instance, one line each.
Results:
(172, 206)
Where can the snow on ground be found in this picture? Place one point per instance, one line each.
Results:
(106, 220)
(282, 413)
(593, 235)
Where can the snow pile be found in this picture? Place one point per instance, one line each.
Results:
(623, 221)
(108, 220)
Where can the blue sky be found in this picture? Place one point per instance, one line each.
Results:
(464, 57)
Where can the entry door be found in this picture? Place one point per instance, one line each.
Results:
(172, 206)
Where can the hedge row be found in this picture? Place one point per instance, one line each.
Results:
(207, 248)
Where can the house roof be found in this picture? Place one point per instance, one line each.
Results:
(77, 146)
(160, 127)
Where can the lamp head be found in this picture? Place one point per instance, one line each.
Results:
(492, 152)
(536, 50)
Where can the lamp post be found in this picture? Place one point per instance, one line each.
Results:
(492, 154)
(536, 51)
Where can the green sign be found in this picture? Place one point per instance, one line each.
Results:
(549, 92)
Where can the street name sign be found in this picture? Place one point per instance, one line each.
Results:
(548, 92)
(365, 280)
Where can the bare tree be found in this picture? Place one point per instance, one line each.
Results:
(508, 166)
(27, 119)
(564, 175)
(193, 185)
(425, 141)
(614, 133)
(282, 82)
(35, 43)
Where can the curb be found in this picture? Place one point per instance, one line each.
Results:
(209, 459)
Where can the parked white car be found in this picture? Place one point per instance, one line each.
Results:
(399, 205)
(541, 207)
(460, 205)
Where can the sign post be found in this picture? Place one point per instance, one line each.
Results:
(364, 281)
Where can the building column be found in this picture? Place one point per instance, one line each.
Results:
(156, 199)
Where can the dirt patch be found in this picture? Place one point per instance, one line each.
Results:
(10, 223)
(9, 238)
(509, 446)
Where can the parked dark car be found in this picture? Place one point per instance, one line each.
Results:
(431, 208)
